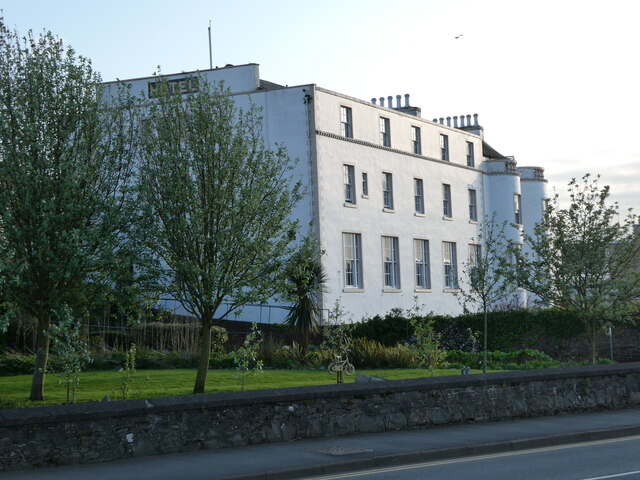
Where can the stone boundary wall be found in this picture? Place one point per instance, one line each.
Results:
(102, 431)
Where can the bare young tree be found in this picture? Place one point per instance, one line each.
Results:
(484, 284)
(66, 160)
(220, 203)
(584, 259)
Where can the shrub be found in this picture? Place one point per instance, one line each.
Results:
(367, 353)
(507, 330)
(14, 363)
(219, 360)
(427, 344)
(388, 330)
(525, 359)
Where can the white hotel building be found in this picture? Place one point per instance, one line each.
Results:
(395, 200)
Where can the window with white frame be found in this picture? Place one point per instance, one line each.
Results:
(517, 208)
(365, 184)
(423, 274)
(390, 262)
(385, 132)
(349, 184)
(475, 259)
(450, 264)
(352, 254)
(475, 254)
(346, 124)
(444, 147)
(471, 160)
(447, 208)
(387, 190)
(473, 205)
(416, 140)
(418, 194)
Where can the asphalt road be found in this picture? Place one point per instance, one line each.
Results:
(605, 459)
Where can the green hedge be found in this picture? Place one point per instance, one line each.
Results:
(506, 330)
(514, 360)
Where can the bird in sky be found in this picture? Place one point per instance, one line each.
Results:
(458, 36)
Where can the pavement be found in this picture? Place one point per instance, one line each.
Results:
(304, 458)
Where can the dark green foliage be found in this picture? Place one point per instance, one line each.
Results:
(13, 363)
(513, 360)
(507, 330)
(388, 330)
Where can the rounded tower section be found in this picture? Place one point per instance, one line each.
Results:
(503, 195)
(534, 197)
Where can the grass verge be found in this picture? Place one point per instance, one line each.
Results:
(14, 390)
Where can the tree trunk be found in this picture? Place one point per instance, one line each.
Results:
(590, 325)
(484, 350)
(593, 334)
(205, 352)
(42, 356)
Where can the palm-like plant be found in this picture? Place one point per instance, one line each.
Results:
(306, 279)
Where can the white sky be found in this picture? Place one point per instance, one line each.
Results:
(555, 82)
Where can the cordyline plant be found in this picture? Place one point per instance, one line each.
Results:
(220, 202)
(305, 284)
(66, 164)
(584, 259)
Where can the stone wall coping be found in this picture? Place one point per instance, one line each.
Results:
(89, 411)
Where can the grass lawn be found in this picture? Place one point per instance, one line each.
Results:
(14, 391)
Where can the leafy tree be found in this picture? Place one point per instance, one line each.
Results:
(338, 339)
(337, 333)
(246, 358)
(220, 202)
(72, 351)
(128, 371)
(583, 258)
(427, 343)
(484, 283)
(306, 283)
(66, 160)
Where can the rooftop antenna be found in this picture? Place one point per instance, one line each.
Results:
(210, 57)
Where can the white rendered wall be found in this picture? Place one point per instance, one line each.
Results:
(285, 122)
(368, 217)
(306, 120)
(501, 185)
(534, 193)
(240, 79)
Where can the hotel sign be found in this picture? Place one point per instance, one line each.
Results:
(179, 86)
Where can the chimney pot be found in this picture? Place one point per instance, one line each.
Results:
(441, 120)
(475, 119)
(398, 101)
(455, 121)
(468, 120)
(406, 99)
(374, 100)
(390, 99)
(382, 101)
